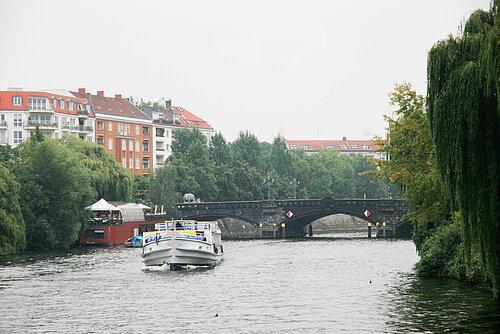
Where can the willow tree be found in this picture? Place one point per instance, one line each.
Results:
(463, 91)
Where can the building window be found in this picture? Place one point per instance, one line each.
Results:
(137, 146)
(110, 144)
(124, 145)
(329, 147)
(17, 101)
(131, 163)
(87, 106)
(160, 132)
(100, 140)
(79, 107)
(131, 145)
(167, 147)
(110, 126)
(292, 147)
(18, 137)
(167, 133)
(36, 103)
(343, 147)
(3, 137)
(305, 147)
(137, 130)
(119, 127)
(137, 163)
(145, 146)
(100, 125)
(18, 120)
(145, 130)
(145, 163)
(62, 103)
(354, 146)
(70, 105)
(124, 162)
(54, 103)
(127, 129)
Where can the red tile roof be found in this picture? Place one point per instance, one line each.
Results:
(6, 101)
(187, 119)
(341, 145)
(117, 106)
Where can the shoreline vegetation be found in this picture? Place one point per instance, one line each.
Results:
(443, 158)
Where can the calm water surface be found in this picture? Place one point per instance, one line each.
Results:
(262, 286)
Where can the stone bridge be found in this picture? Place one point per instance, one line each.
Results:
(290, 218)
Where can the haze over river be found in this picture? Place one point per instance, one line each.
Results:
(356, 285)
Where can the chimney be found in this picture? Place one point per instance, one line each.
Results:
(100, 93)
(81, 91)
(118, 97)
(168, 105)
(344, 138)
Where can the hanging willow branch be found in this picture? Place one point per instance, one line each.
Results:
(463, 92)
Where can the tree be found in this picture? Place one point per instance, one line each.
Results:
(463, 95)
(411, 162)
(219, 150)
(109, 179)
(162, 190)
(246, 148)
(55, 189)
(12, 231)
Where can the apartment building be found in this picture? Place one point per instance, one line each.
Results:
(365, 147)
(123, 129)
(166, 120)
(56, 112)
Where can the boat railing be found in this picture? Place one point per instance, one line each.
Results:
(105, 221)
(183, 226)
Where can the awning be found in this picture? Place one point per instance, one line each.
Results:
(102, 205)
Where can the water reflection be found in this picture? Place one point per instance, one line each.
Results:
(341, 283)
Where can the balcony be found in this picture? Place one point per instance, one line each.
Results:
(85, 129)
(45, 110)
(82, 112)
(41, 124)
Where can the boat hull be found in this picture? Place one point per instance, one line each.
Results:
(181, 252)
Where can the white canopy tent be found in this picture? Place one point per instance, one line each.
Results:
(102, 205)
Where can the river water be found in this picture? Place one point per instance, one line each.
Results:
(354, 285)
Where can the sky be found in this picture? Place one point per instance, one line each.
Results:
(300, 69)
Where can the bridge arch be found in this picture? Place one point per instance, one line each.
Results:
(219, 215)
(303, 219)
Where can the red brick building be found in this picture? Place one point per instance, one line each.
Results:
(123, 129)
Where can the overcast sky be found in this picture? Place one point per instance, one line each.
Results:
(302, 69)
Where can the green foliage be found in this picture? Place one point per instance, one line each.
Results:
(55, 189)
(246, 148)
(411, 162)
(161, 190)
(463, 93)
(12, 231)
(109, 179)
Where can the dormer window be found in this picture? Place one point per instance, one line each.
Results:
(62, 103)
(87, 106)
(79, 107)
(17, 101)
(54, 103)
(70, 105)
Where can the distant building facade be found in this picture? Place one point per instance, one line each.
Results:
(365, 147)
(56, 113)
(166, 120)
(125, 130)
(139, 138)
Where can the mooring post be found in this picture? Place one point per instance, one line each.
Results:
(369, 230)
(383, 229)
(310, 230)
(283, 231)
(260, 229)
(274, 230)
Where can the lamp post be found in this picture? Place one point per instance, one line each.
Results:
(294, 184)
(268, 184)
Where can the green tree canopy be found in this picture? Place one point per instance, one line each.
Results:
(12, 231)
(55, 189)
(463, 93)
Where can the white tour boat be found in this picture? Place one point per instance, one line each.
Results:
(182, 243)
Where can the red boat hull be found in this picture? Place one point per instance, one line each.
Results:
(113, 234)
